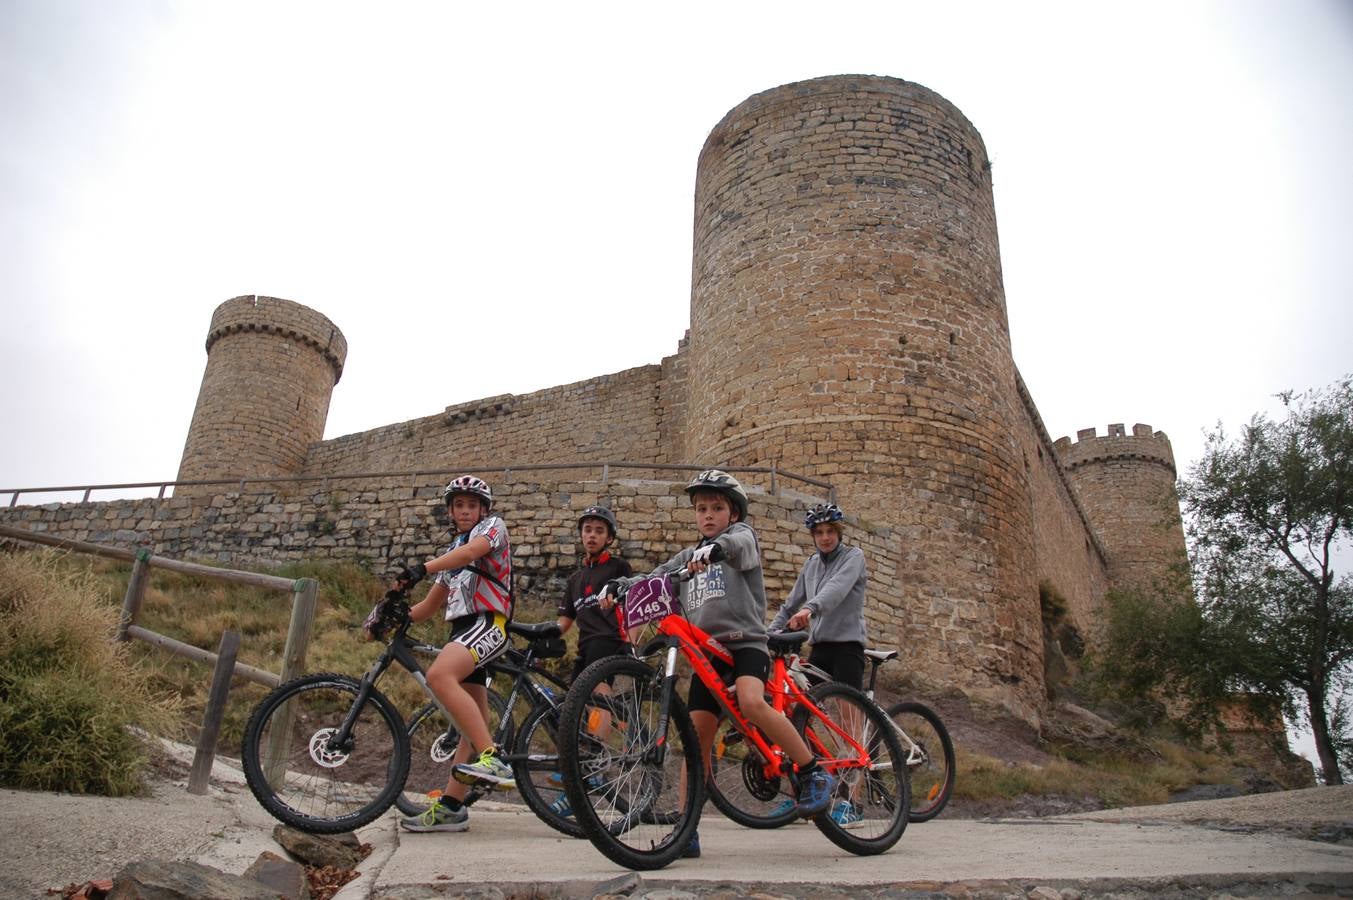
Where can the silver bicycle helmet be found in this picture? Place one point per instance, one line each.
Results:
(718, 480)
(598, 512)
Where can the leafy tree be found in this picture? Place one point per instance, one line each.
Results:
(1266, 514)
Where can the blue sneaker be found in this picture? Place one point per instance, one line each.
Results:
(846, 814)
(692, 850)
(783, 808)
(815, 792)
(561, 807)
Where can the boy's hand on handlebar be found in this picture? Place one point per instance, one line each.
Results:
(411, 575)
(607, 597)
(703, 556)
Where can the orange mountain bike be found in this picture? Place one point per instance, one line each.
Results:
(626, 749)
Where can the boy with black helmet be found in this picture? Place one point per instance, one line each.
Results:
(828, 601)
(727, 599)
(473, 578)
(598, 632)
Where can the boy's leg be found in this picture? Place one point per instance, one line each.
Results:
(814, 784)
(454, 789)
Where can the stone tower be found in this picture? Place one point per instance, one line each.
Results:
(1126, 484)
(271, 367)
(847, 224)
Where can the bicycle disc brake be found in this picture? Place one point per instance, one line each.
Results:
(324, 752)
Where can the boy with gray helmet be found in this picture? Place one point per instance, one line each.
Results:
(727, 599)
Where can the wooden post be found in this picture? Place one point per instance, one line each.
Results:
(211, 720)
(136, 592)
(304, 597)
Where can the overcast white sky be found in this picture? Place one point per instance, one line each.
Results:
(1173, 182)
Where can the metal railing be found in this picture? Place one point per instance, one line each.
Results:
(776, 475)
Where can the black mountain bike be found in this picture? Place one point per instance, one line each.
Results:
(328, 753)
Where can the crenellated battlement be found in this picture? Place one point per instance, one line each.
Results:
(273, 315)
(1143, 444)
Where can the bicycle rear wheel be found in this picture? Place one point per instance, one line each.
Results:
(930, 757)
(432, 741)
(303, 776)
(868, 811)
(624, 778)
(743, 786)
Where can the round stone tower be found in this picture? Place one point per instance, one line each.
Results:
(1126, 484)
(848, 321)
(271, 368)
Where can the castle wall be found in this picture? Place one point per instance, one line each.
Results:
(613, 417)
(388, 520)
(848, 322)
(271, 367)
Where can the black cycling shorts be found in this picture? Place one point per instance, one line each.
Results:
(842, 660)
(594, 649)
(746, 661)
(484, 634)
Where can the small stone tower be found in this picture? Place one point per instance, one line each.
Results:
(1126, 484)
(271, 367)
(848, 321)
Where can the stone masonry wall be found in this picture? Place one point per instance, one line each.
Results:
(613, 417)
(386, 521)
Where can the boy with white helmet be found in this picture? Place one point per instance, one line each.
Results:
(727, 599)
(472, 582)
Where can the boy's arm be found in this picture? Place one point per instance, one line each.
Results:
(428, 606)
(795, 599)
(739, 548)
(461, 556)
(833, 590)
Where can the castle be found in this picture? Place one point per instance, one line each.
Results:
(847, 323)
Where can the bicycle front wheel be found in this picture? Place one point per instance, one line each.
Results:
(624, 777)
(304, 774)
(930, 757)
(433, 739)
(856, 744)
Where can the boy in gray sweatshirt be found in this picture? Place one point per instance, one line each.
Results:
(727, 600)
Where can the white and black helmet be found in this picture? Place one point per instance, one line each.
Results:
(468, 484)
(823, 512)
(721, 481)
(598, 512)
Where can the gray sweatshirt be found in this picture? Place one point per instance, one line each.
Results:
(728, 599)
(833, 590)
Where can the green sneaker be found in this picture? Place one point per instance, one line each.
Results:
(488, 769)
(437, 817)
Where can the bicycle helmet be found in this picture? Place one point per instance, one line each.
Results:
(468, 484)
(723, 483)
(822, 512)
(598, 512)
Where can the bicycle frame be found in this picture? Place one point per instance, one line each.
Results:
(678, 635)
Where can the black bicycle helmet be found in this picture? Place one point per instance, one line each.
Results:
(718, 480)
(598, 512)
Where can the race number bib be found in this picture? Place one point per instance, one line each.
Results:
(649, 600)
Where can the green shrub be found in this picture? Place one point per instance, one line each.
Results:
(72, 708)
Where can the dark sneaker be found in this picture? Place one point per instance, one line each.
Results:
(437, 817)
(692, 850)
(815, 792)
(488, 769)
